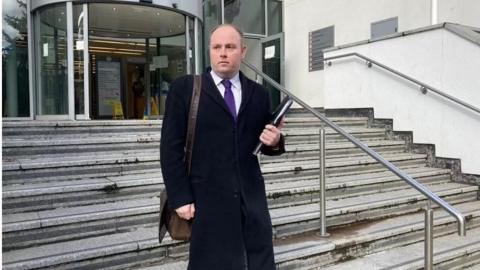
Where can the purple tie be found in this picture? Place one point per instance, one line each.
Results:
(229, 99)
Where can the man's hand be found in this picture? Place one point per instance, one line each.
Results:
(271, 134)
(186, 212)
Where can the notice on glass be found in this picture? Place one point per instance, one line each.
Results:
(269, 52)
(109, 86)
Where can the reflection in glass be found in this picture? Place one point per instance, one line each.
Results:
(253, 56)
(191, 53)
(51, 45)
(78, 49)
(274, 17)
(15, 85)
(212, 12)
(250, 14)
(169, 63)
(151, 45)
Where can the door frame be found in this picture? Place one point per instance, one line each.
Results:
(281, 37)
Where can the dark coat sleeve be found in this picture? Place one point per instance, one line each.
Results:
(280, 147)
(275, 150)
(173, 137)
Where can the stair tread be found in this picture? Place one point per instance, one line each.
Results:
(315, 130)
(151, 155)
(340, 145)
(33, 189)
(312, 162)
(42, 219)
(350, 180)
(103, 139)
(147, 238)
(60, 216)
(412, 256)
(291, 214)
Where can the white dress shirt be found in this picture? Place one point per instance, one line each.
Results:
(236, 88)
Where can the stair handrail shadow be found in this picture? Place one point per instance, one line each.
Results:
(431, 196)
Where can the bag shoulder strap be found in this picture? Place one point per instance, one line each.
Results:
(192, 119)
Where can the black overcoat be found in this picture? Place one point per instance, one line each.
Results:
(225, 182)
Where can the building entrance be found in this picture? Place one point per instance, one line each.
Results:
(110, 60)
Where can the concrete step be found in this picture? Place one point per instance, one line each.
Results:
(83, 159)
(311, 135)
(310, 251)
(449, 252)
(33, 228)
(120, 126)
(338, 149)
(303, 218)
(50, 195)
(77, 173)
(337, 166)
(291, 193)
(84, 165)
(56, 128)
(66, 224)
(20, 146)
(311, 121)
(140, 250)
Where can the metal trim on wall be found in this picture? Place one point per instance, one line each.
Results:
(222, 4)
(187, 44)
(197, 46)
(70, 67)
(266, 17)
(36, 67)
(31, 67)
(86, 64)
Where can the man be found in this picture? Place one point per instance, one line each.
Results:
(225, 192)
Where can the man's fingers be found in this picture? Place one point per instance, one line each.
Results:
(186, 211)
(192, 211)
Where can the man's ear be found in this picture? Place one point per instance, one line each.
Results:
(244, 51)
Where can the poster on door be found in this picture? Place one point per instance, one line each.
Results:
(109, 86)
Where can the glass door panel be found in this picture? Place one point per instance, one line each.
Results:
(51, 45)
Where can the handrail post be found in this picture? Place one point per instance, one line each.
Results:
(323, 207)
(428, 236)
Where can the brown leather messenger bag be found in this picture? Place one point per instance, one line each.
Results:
(177, 227)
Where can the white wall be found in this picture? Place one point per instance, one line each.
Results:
(352, 20)
(439, 58)
(466, 12)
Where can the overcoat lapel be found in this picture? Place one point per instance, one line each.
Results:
(247, 91)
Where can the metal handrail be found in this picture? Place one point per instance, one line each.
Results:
(423, 86)
(412, 182)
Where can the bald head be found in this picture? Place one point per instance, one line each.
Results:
(226, 50)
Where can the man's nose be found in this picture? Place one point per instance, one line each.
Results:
(223, 52)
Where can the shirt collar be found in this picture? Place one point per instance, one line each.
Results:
(235, 80)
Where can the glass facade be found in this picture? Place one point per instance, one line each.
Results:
(249, 14)
(274, 17)
(51, 50)
(79, 45)
(114, 59)
(15, 71)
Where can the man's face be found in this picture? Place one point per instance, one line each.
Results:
(226, 52)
